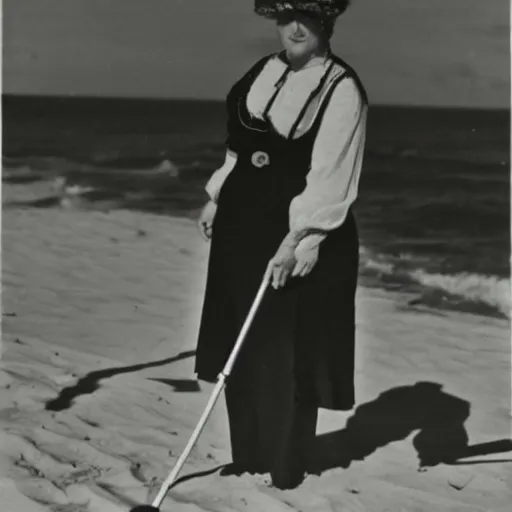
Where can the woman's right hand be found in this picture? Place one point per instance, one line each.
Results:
(205, 222)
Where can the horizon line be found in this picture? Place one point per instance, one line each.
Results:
(71, 96)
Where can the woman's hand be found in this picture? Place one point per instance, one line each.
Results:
(205, 222)
(306, 260)
(294, 259)
(281, 265)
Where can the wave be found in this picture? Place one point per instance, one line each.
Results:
(175, 187)
(477, 156)
(464, 291)
(490, 290)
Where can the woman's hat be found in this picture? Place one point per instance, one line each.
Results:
(321, 8)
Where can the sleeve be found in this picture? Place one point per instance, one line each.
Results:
(333, 180)
(217, 179)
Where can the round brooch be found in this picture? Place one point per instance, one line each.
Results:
(260, 159)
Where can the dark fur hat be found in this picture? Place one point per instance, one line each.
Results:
(321, 8)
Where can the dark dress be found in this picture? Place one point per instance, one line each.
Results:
(299, 353)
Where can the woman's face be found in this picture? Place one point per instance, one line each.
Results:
(301, 35)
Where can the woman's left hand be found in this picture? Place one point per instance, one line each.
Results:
(306, 260)
(281, 265)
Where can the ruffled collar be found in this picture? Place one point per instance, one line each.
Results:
(315, 62)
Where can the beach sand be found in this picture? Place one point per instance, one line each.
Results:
(98, 395)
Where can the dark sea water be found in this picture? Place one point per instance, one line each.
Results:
(434, 202)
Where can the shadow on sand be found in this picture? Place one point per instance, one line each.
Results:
(90, 382)
(437, 418)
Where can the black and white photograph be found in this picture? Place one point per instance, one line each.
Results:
(255, 256)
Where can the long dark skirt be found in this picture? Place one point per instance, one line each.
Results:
(310, 323)
(298, 355)
(271, 429)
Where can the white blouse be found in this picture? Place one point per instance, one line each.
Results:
(336, 161)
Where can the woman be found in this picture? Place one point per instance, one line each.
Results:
(282, 202)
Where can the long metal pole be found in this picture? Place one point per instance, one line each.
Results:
(221, 381)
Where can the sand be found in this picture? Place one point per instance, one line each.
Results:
(98, 395)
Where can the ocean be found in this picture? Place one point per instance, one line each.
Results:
(434, 202)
